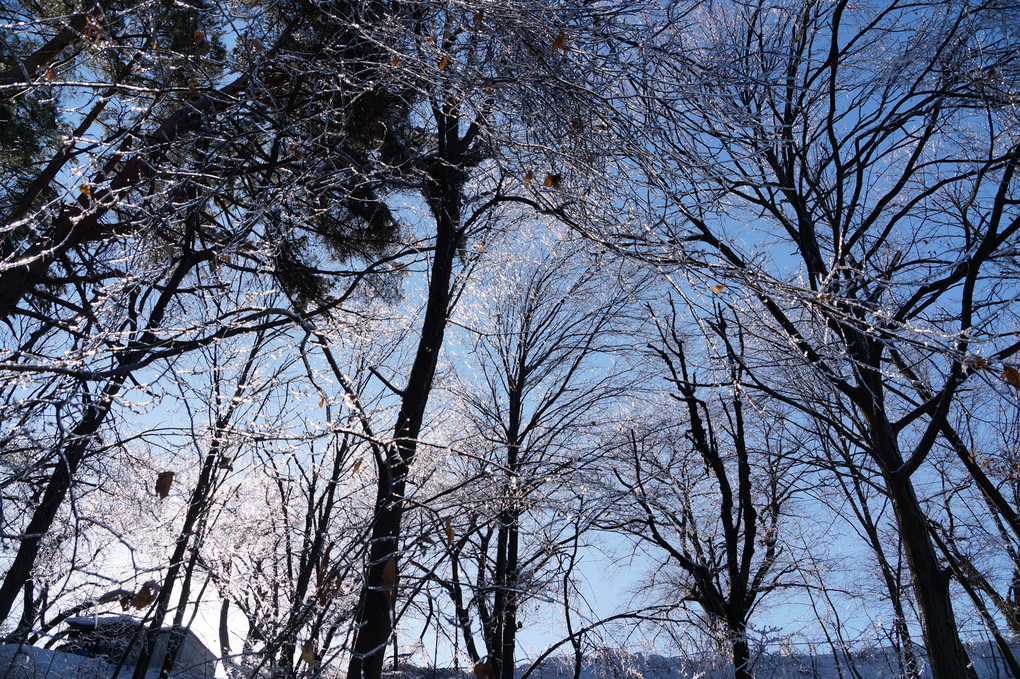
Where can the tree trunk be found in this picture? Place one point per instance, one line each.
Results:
(374, 622)
(508, 643)
(66, 467)
(946, 654)
(224, 631)
(741, 652)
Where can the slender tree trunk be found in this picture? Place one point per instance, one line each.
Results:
(224, 631)
(374, 621)
(739, 646)
(68, 462)
(512, 584)
(196, 507)
(946, 654)
(78, 442)
(499, 579)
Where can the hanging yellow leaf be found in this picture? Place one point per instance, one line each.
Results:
(718, 288)
(560, 43)
(322, 401)
(527, 179)
(308, 652)
(450, 535)
(389, 580)
(163, 483)
(444, 62)
(86, 190)
(1011, 376)
(198, 36)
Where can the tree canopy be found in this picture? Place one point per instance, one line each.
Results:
(368, 323)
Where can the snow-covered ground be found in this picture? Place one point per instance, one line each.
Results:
(876, 664)
(34, 663)
(614, 664)
(28, 662)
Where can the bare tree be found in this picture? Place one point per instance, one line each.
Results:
(707, 487)
(540, 376)
(873, 148)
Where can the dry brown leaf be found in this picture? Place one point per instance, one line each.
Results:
(389, 580)
(86, 190)
(483, 670)
(226, 463)
(718, 288)
(395, 61)
(145, 595)
(560, 43)
(552, 180)
(444, 62)
(1011, 376)
(479, 17)
(450, 535)
(976, 362)
(198, 36)
(527, 179)
(91, 29)
(193, 85)
(357, 466)
(308, 652)
(163, 483)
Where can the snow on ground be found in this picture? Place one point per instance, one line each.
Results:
(614, 664)
(28, 662)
